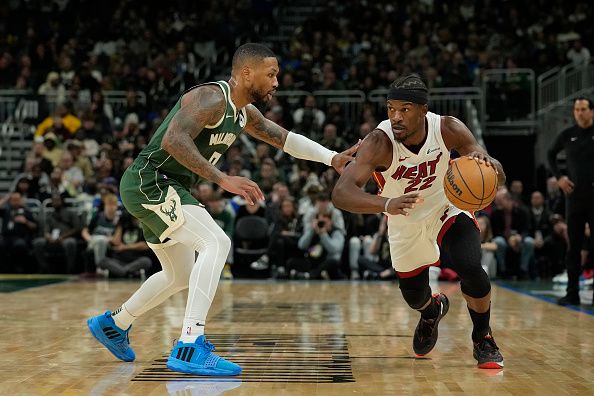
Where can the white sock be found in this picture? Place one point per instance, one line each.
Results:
(192, 329)
(122, 318)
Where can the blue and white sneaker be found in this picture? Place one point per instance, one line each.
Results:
(197, 358)
(111, 336)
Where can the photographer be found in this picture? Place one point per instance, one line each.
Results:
(322, 243)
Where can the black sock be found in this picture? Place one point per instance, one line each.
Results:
(431, 311)
(481, 324)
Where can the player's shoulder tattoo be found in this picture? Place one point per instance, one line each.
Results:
(204, 105)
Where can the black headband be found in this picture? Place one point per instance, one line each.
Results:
(409, 95)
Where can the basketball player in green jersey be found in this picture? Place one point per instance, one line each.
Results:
(202, 125)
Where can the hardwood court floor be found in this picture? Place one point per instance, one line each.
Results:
(292, 338)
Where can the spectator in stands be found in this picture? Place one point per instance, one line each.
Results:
(375, 262)
(36, 155)
(555, 200)
(52, 151)
(99, 234)
(365, 129)
(62, 123)
(323, 204)
(203, 192)
(540, 219)
(516, 189)
(129, 255)
(62, 226)
(72, 176)
(578, 54)
(216, 206)
(18, 230)
(38, 180)
(309, 119)
(511, 227)
(82, 162)
(279, 192)
(53, 88)
(243, 210)
(266, 176)
(23, 186)
(56, 186)
(285, 231)
(331, 140)
(554, 249)
(322, 244)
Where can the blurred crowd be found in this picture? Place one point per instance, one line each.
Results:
(352, 44)
(63, 212)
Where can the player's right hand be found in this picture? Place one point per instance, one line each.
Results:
(399, 205)
(243, 186)
(565, 184)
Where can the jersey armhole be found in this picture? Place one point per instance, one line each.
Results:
(225, 113)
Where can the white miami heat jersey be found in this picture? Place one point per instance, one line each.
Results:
(417, 173)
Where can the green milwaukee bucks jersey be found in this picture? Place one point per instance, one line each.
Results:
(212, 141)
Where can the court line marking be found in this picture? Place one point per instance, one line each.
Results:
(550, 300)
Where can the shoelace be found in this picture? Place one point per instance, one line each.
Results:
(209, 346)
(488, 344)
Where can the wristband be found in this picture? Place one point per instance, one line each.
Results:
(386, 204)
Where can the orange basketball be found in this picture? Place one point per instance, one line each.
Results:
(470, 185)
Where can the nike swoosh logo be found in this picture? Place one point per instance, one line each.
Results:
(229, 116)
(432, 150)
(402, 159)
(200, 324)
(573, 139)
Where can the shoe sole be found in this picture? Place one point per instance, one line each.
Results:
(491, 365)
(103, 342)
(446, 309)
(183, 367)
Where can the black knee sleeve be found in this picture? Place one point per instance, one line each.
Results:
(462, 242)
(416, 290)
(476, 285)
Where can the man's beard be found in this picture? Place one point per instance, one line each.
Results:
(258, 96)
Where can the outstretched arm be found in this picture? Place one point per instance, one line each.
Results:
(294, 144)
(458, 137)
(375, 153)
(201, 107)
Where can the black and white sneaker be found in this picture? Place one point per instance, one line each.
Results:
(487, 353)
(426, 332)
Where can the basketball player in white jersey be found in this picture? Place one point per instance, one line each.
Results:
(408, 154)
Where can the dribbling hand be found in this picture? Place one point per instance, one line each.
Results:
(398, 205)
(239, 185)
(482, 158)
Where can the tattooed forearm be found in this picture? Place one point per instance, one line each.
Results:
(262, 128)
(203, 107)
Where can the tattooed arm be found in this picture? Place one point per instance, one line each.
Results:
(263, 129)
(201, 107)
(294, 144)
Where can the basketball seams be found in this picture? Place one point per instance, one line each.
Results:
(482, 182)
(452, 195)
(464, 181)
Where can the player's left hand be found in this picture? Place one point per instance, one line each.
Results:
(481, 158)
(340, 160)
